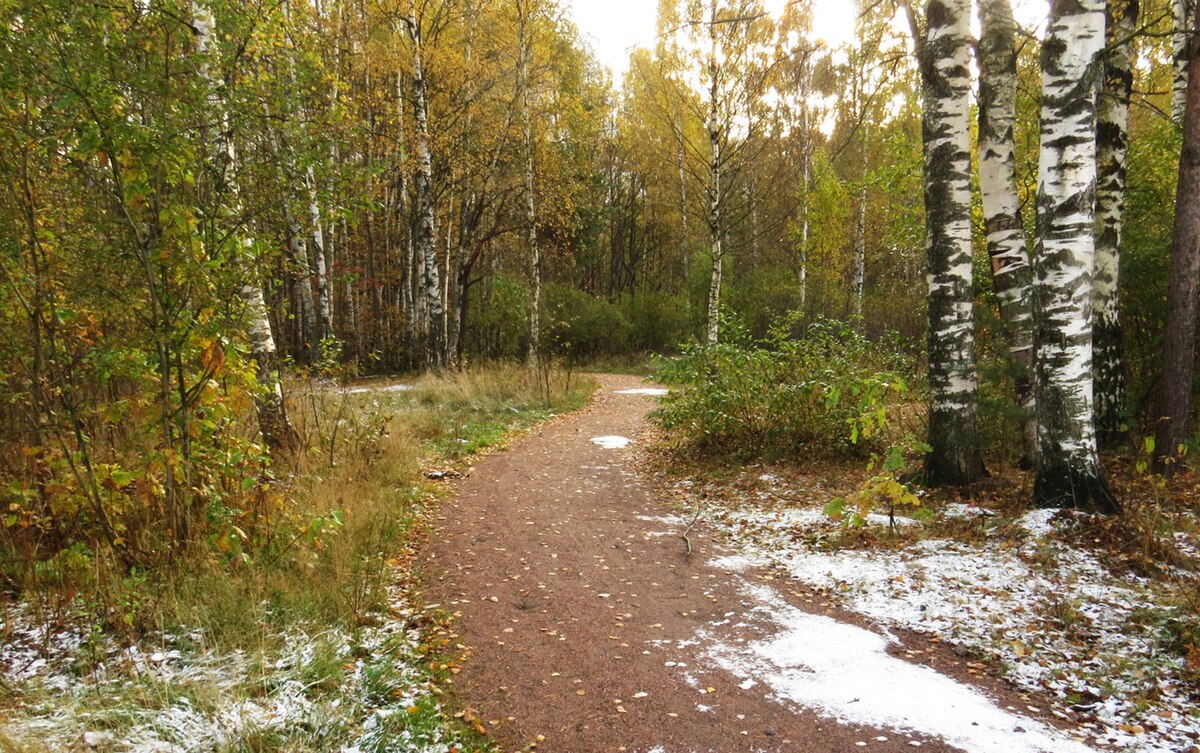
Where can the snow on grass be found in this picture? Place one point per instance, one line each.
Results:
(1055, 618)
(320, 689)
(374, 388)
(844, 672)
(612, 442)
(653, 391)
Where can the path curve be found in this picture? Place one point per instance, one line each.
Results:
(580, 614)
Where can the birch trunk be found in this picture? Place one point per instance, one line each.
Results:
(426, 224)
(684, 246)
(324, 303)
(860, 233)
(273, 424)
(1183, 24)
(413, 275)
(714, 188)
(944, 55)
(1068, 465)
(1179, 336)
(1012, 275)
(805, 187)
(1112, 142)
(535, 261)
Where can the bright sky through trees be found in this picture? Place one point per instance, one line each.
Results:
(614, 27)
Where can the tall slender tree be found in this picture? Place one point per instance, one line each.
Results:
(525, 51)
(1112, 146)
(1068, 463)
(426, 222)
(944, 54)
(273, 422)
(715, 139)
(1012, 275)
(1183, 296)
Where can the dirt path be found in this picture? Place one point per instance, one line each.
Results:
(581, 615)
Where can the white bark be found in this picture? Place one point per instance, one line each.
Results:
(860, 231)
(1068, 471)
(535, 260)
(1012, 275)
(426, 246)
(270, 407)
(1112, 142)
(320, 253)
(714, 187)
(945, 54)
(1181, 12)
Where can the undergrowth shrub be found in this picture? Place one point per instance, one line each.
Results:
(817, 387)
(307, 540)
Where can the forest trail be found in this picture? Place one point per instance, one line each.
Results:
(582, 615)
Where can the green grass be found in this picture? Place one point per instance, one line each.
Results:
(311, 569)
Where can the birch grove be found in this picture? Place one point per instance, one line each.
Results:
(214, 215)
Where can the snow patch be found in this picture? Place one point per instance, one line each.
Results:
(612, 442)
(369, 388)
(844, 672)
(1039, 523)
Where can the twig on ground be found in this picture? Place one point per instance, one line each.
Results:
(686, 531)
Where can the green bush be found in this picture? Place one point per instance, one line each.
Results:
(658, 321)
(581, 327)
(821, 387)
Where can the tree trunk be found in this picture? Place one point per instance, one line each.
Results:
(684, 246)
(1179, 336)
(324, 304)
(714, 188)
(1183, 24)
(426, 231)
(1012, 275)
(860, 232)
(1068, 465)
(1112, 141)
(273, 424)
(535, 260)
(945, 54)
(805, 188)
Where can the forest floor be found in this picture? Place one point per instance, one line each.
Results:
(582, 622)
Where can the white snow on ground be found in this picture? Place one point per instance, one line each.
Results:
(1058, 620)
(612, 442)
(199, 699)
(655, 391)
(372, 388)
(845, 672)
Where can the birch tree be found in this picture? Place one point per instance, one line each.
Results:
(1182, 12)
(535, 261)
(715, 226)
(944, 53)
(1179, 338)
(273, 422)
(1112, 146)
(426, 223)
(1012, 275)
(1068, 464)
